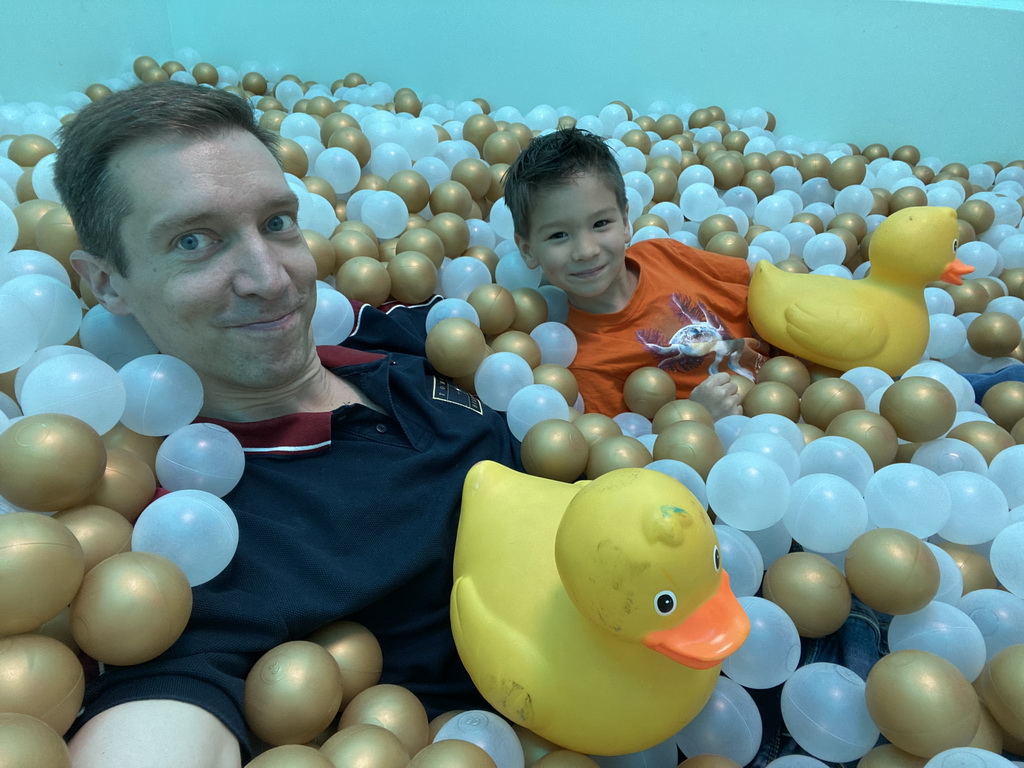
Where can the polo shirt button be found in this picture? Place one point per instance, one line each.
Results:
(381, 428)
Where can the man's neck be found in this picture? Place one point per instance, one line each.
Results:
(317, 391)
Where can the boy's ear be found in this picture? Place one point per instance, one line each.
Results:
(524, 248)
(98, 275)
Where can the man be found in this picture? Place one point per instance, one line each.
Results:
(355, 459)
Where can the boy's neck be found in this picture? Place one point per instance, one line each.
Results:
(616, 298)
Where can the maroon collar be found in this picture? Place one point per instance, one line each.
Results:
(295, 433)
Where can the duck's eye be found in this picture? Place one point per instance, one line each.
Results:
(956, 244)
(718, 559)
(665, 602)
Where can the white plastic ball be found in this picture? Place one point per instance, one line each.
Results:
(946, 335)
(19, 333)
(951, 580)
(855, 198)
(867, 379)
(1007, 472)
(978, 508)
(532, 404)
(826, 248)
(194, 529)
(728, 428)
(115, 339)
(773, 447)
(684, 474)
(339, 168)
(825, 710)
(771, 653)
(633, 424)
(385, 213)
(203, 457)
(451, 308)
(56, 308)
(695, 174)
(748, 491)
(462, 276)
(948, 454)
(775, 243)
(499, 376)
(489, 732)
(333, 317)
(557, 301)
(998, 614)
(909, 497)
(787, 177)
(389, 158)
(741, 559)
(557, 343)
(1005, 556)
(837, 456)
(969, 757)
(698, 201)
(729, 725)
(825, 513)
(773, 212)
(163, 393)
(512, 272)
(82, 386)
(798, 234)
(944, 630)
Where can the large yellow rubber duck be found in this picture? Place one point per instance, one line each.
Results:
(595, 614)
(880, 321)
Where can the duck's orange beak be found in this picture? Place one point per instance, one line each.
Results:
(716, 629)
(954, 272)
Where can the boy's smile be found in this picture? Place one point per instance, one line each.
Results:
(578, 236)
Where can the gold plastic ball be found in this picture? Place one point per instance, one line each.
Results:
(1001, 687)
(364, 279)
(647, 389)
(596, 426)
(518, 343)
(680, 410)
(356, 652)
(28, 742)
(892, 571)
(394, 708)
(1004, 403)
(786, 370)
(616, 452)
(994, 334)
(455, 347)
(413, 277)
(811, 590)
(870, 431)
(495, 307)
(692, 442)
(555, 449)
(772, 397)
(558, 377)
(919, 408)
(42, 678)
(826, 398)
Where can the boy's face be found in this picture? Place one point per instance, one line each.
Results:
(578, 236)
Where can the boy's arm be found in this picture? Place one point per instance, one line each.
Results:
(157, 733)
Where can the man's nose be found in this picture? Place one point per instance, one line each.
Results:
(260, 268)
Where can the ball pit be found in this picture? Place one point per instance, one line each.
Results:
(428, 166)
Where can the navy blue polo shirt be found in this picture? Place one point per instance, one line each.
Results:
(350, 514)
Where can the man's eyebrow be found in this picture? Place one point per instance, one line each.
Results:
(180, 221)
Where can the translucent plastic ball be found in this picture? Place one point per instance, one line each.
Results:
(557, 343)
(500, 219)
(339, 168)
(31, 262)
(728, 428)
(824, 708)
(8, 224)
(1006, 558)
(333, 317)
(418, 137)
(194, 529)
(796, 761)
(855, 198)
(204, 457)
(1007, 471)
(698, 201)
(771, 653)
(946, 335)
(114, 339)
(299, 124)
(748, 491)
(499, 377)
(825, 513)
(775, 425)
(489, 732)
(938, 301)
(19, 333)
(798, 234)
(980, 255)
(867, 379)
(633, 424)
(389, 158)
(824, 248)
(948, 454)
(978, 508)
(56, 308)
(461, 276)
(773, 447)
(685, 474)
(433, 169)
(163, 394)
(663, 754)
(451, 308)
(728, 725)
(512, 272)
(741, 559)
(82, 386)
(385, 213)
(557, 301)
(969, 757)
(951, 580)
(534, 403)
(838, 456)
(773, 212)
(909, 497)
(775, 243)
(695, 174)
(944, 630)
(998, 614)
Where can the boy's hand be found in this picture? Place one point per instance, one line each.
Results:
(719, 395)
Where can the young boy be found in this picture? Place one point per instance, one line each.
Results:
(657, 303)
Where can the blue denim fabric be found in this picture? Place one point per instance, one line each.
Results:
(857, 645)
(982, 382)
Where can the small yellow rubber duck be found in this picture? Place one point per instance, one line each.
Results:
(594, 614)
(880, 321)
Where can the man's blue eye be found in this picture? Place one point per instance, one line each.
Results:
(279, 223)
(191, 242)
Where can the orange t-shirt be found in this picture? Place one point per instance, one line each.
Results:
(688, 316)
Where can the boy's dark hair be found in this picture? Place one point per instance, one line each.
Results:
(555, 159)
(91, 192)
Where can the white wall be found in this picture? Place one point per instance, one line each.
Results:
(945, 76)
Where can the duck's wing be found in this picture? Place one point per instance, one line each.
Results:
(837, 331)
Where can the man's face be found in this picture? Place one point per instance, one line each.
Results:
(219, 274)
(578, 236)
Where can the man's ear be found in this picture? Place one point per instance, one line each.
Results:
(524, 248)
(98, 274)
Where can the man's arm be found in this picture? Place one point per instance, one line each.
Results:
(155, 734)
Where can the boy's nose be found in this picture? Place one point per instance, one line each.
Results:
(586, 248)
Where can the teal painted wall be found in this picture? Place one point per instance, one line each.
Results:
(945, 76)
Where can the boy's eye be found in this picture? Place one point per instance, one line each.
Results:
(601, 223)
(281, 222)
(556, 235)
(193, 241)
